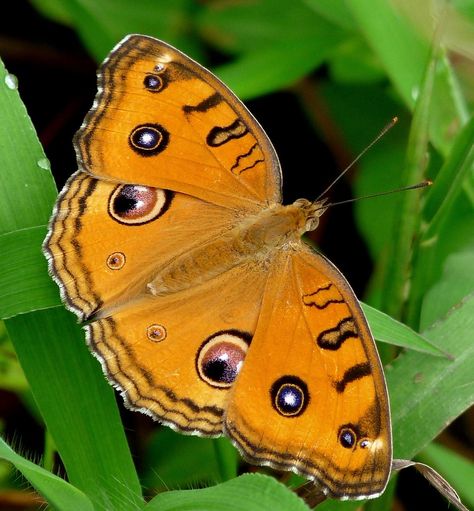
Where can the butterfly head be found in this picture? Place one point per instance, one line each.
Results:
(311, 211)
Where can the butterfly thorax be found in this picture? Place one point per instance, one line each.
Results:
(254, 239)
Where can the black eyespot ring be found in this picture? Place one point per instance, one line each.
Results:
(156, 333)
(289, 396)
(116, 261)
(347, 437)
(220, 357)
(137, 205)
(149, 139)
(153, 83)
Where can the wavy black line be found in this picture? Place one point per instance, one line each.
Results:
(332, 338)
(354, 373)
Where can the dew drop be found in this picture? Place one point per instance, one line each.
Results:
(44, 164)
(415, 92)
(11, 81)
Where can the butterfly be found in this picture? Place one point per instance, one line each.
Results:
(201, 301)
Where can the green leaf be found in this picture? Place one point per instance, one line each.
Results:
(53, 9)
(226, 456)
(407, 216)
(335, 11)
(250, 492)
(11, 374)
(208, 461)
(262, 33)
(27, 193)
(449, 181)
(252, 27)
(78, 407)
(449, 219)
(102, 25)
(26, 188)
(77, 404)
(354, 63)
(427, 393)
(22, 256)
(456, 282)
(401, 50)
(338, 505)
(404, 54)
(163, 465)
(391, 331)
(250, 76)
(60, 494)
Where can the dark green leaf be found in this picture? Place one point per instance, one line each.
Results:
(456, 282)
(253, 27)
(78, 407)
(449, 224)
(60, 494)
(102, 25)
(250, 492)
(404, 54)
(427, 393)
(250, 75)
(163, 466)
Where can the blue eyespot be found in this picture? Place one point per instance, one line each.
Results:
(153, 83)
(289, 396)
(348, 436)
(149, 139)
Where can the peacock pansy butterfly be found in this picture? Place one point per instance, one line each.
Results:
(203, 305)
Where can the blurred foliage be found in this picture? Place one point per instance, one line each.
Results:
(349, 66)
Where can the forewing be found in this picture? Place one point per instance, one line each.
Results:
(162, 120)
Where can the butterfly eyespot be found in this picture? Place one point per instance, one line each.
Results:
(221, 356)
(156, 333)
(289, 396)
(364, 444)
(159, 68)
(116, 261)
(153, 83)
(137, 205)
(149, 139)
(347, 438)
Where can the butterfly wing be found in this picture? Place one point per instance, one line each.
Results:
(176, 357)
(169, 162)
(162, 120)
(107, 241)
(311, 396)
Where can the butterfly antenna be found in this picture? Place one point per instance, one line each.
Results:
(359, 156)
(427, 182)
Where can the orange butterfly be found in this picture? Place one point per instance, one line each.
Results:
(204, 306)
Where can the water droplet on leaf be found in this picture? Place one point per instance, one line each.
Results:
(11, 81)
(44, 164)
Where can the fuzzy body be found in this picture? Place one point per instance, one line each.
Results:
(254, 238)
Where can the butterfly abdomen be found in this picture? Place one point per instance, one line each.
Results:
(254, 239)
